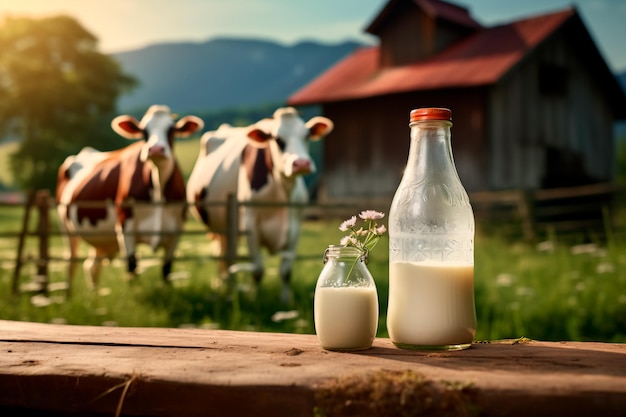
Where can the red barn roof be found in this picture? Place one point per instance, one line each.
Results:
(480, 59)
(435, 8)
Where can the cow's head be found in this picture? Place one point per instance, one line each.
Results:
(291, 134)
(159, 128)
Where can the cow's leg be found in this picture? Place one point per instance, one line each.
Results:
(169, 247)
(166, 269)
(92, 267)
(295, 217)
(131, 261)
(256, 258)
(258, 270)
(253, 242)
(222, 264)
(286, 265)
(127, 243)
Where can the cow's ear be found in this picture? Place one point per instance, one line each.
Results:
(259, 135)
(319, 127)
(188, 125)
(127, 127)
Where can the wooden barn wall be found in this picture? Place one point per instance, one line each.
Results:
(365, 155)
(415, 36)
(546, 140)
(449, 33)
(408, 39)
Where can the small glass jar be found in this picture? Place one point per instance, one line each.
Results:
(346, 301)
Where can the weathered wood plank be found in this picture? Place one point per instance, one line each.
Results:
(76, 370)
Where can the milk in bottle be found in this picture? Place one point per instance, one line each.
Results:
(431, 244)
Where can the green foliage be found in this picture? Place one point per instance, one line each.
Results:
(550, 291)
(57, 91)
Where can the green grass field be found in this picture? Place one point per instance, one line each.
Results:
(547, 291)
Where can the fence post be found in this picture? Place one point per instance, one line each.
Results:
(526, 210)
(42, 199)
(22, 239)
(232, 229)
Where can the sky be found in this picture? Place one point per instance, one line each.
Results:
(122, 25)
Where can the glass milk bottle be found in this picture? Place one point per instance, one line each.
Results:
(346, 301)
(431, 244)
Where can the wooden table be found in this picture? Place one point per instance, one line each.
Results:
(106, 371)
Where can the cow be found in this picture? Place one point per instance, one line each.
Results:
(116, 200)
(261, 163)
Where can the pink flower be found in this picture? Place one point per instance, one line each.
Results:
(371, 215)
(363, 238)
(348, 224)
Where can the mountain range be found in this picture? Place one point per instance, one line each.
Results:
(231, 73)
(224, 72)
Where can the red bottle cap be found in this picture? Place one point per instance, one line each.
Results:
(430, 113)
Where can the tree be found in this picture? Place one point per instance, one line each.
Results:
(56, 90)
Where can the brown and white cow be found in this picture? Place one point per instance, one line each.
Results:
(262, 163)
(144, 173)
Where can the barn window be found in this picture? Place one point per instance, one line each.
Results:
(553, 79)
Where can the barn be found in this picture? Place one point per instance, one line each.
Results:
(533, 101)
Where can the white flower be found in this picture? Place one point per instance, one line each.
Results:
(348, 224)
(371, 215)
(365, 237)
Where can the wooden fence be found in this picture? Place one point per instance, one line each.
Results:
(535, 214)
(528, 214)
(38, 204)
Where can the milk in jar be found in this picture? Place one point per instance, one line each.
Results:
(346, 317)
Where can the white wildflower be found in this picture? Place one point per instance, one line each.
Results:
(348, 224)
(504, 280)
(365, 237)
(371, 215)
(605, 268)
